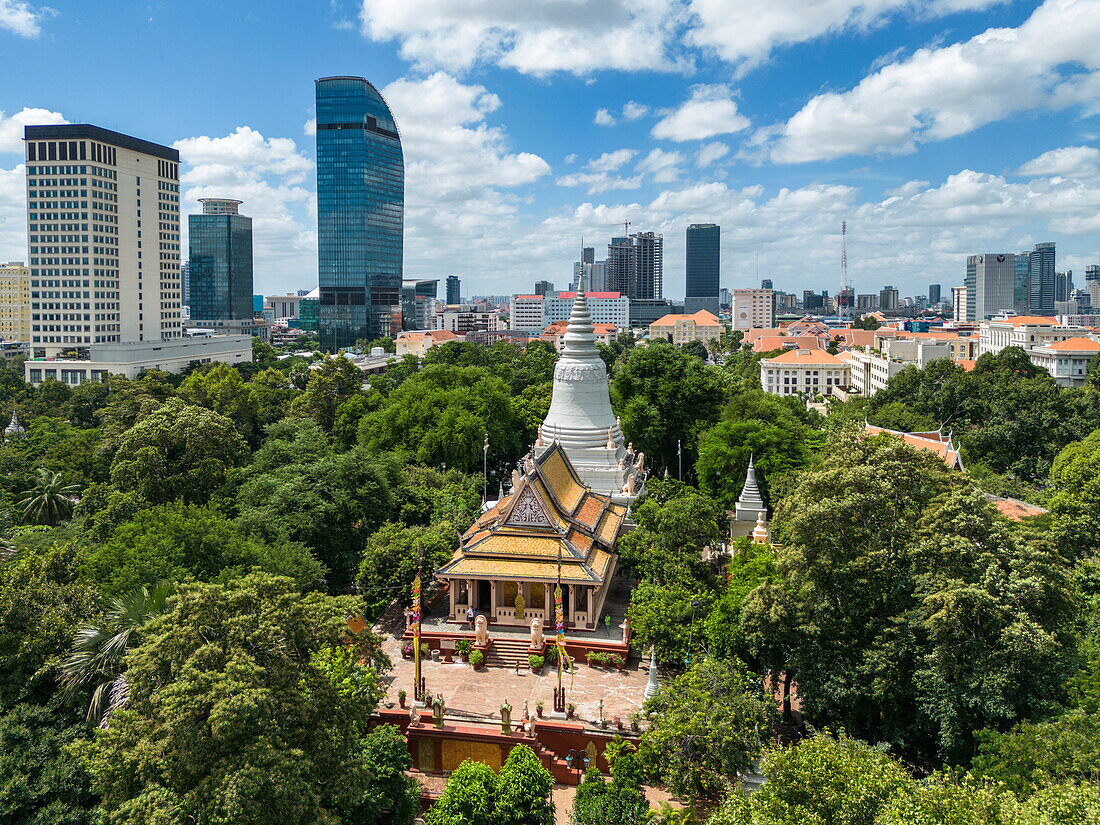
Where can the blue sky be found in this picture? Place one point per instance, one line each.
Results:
(937, 128)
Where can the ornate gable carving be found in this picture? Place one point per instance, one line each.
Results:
(529, 511)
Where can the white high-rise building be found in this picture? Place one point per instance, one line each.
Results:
(15, 302)
(533, 313)
(103, 237)
(753, 308)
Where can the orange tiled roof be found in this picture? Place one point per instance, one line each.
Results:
(1015, 509)
(936, 442)
(1027, 320)
(806, 356)
(700, 318)
(1078, 344)
(966, 363)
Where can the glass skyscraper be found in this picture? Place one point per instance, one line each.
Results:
(220, 262)
(360, 213)
(702, 267)
(1041, 288)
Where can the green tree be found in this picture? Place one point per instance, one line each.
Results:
(175, 542)
(230, 720)
(618, 802)
(391, 798)
(98, 650)
(523, 790)
(441, 415)
(1032, 755)
(334, 381)
(666, 396)
(222, 389)
(392, 556)
(822, 780)
(705, 729)
(725, 450)
(50, 501)
(179, 452)
(468, 798)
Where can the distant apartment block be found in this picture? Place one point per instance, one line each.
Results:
(15, 302)
(753, 308)
(533, 313)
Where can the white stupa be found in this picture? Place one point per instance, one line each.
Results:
(580, 417)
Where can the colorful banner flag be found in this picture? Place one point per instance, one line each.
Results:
(416, 604)
(560, 617)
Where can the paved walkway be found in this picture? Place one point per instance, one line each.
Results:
(478, 694)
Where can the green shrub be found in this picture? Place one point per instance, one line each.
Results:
(477, 658)
(463, 647)
(535, 661)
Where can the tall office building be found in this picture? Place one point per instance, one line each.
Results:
(543, 287)
(649, 259)
(1063, 285)
(360, 212)
(1021, 285)
(219, 266)
(888, 298)
(990, 280)
(454, 290)
(635, 266)
(1041, 274)
(811, 300)
(933, 294)
(105, 267)
(1092, 284)
(766, 283)
(15, 302)
(702, 264)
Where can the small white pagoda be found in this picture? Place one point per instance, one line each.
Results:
(581, 419)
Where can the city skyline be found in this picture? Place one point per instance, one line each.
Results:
(513, 156)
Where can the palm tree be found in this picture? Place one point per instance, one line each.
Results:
(97, 652)
(49, 501)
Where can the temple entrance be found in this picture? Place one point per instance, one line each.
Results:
(565, 604)
(484, 596)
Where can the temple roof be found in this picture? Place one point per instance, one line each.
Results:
(550, 515)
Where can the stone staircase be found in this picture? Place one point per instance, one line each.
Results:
(506, 652)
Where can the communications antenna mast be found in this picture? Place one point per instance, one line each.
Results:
(844, 302)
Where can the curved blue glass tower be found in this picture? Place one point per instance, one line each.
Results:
(360, 212)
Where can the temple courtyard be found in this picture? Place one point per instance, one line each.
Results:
(474, 695)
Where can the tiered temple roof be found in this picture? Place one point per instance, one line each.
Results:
(548, 515)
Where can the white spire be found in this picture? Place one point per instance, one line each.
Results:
(580, 418)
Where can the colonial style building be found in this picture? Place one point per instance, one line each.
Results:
(803, 372)
(549, 528)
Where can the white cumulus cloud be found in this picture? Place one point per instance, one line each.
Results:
(710, 110)
(22, 18)
(534, 37)
(604, 118)
(11, 126)
(711, 152)
(1069, 161)
(1050, 60)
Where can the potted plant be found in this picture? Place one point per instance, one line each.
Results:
(477, 658)
(463, 648)
(402, 695)
(618, 722)
(539, 705)
(570, 709)
(407, 650)
(535, 662)
(425, 650)
(634, 725)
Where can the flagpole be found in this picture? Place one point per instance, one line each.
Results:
(416, 636)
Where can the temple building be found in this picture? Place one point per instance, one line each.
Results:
(550, 524)
(580, 417)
